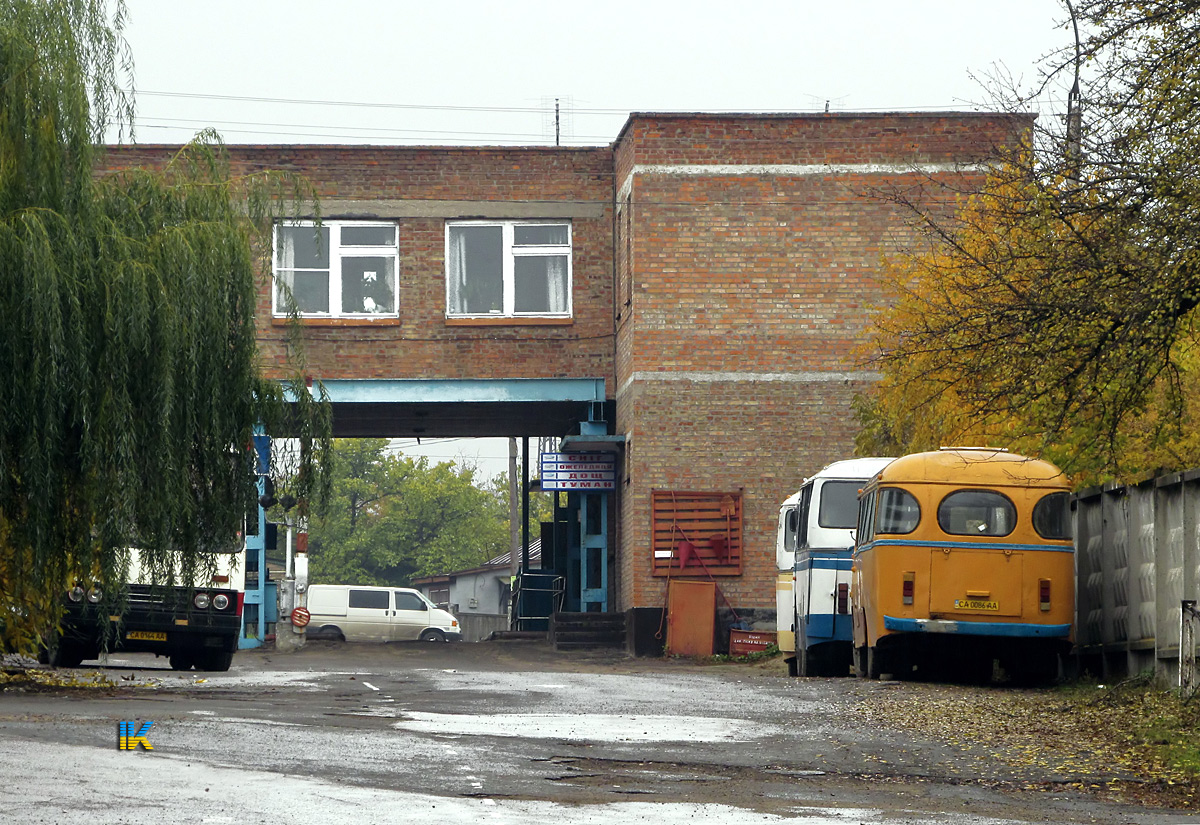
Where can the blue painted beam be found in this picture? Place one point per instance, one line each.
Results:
(438, 390)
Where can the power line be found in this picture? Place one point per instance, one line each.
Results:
(389, 130)
(323, 130)
(816, 108)
(362, 104)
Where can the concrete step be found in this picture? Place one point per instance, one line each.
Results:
(569, 631)
(517, 636)
(572, 645)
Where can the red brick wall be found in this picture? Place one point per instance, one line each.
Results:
(803, 139)
(751, 287)
(422, 345)
(749, 283)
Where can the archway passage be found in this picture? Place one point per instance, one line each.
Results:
(572, 414)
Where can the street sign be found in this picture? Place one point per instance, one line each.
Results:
(301, 617)
(579, 471)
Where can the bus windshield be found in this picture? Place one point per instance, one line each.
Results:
(839, 504)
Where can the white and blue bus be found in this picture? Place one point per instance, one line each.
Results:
(813, 551)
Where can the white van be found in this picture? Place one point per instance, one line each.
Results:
(377, 614)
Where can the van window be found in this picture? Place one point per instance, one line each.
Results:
(410, 601)
(377, 599)
(977, 513)
(1052, 516)
(899, 511)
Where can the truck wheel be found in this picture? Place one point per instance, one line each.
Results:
(433, 635)
(180, 661)
(215, 660)
(65, 654)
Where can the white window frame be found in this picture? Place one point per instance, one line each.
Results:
(510, 253)
(337, 252)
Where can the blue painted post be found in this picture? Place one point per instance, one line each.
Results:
(254, 599)
(593, 547)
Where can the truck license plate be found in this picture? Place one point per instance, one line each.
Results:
(146, 635)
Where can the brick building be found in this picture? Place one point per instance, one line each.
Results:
(695, 292)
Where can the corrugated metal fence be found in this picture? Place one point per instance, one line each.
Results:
(1138, 562)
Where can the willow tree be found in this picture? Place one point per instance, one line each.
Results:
(1058, 308)
(131, 379)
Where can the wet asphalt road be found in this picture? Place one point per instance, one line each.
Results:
(496, 733)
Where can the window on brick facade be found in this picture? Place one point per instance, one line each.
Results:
(338, 269)
(508, 269)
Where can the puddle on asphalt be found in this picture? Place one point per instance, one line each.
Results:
(306, 681)
(48, 772)
(590, 727)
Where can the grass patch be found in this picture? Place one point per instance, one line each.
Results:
(768, 652)
(1158, 726)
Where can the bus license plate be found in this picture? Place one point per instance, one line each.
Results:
(975, 604)
(146, 635)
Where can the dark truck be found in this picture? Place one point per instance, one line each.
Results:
(192, 626)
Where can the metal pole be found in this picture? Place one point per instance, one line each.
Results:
(524, 504)
(287, 573)
(513, 536)
(286, 640)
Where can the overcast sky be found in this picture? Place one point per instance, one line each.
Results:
(476, 72)
(469, 71)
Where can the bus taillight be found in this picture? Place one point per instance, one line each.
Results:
(909, 579)
(1044, 595)
(843, 599)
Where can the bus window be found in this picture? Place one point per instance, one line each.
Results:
(898, 511)
(789, 531)
(1052, 516)
(866, 518)
(865, 506)
(977, 513)
(839, 504)
(802, 516)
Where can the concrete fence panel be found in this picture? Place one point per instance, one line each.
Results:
(1137, 560)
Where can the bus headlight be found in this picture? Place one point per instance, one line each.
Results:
(201, 601)
(75, 594)
(95, 595)
(220, 601)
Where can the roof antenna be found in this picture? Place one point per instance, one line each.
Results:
(1074, 149)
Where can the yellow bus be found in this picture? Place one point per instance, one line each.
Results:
(963, 558)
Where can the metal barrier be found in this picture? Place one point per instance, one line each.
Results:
(536, 597)
(1137, 555)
